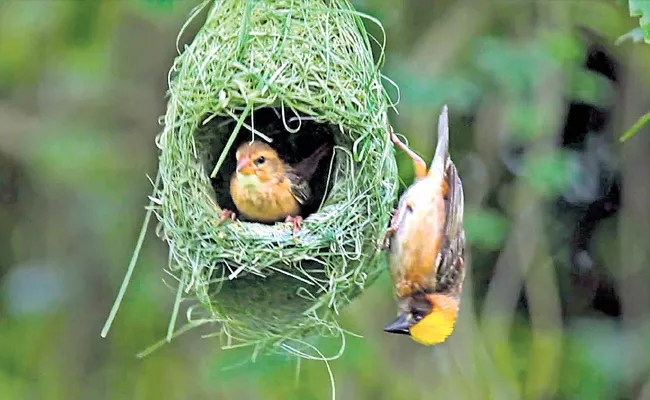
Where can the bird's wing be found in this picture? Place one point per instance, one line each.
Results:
(451, 270)
(307, 167)
(298, 186)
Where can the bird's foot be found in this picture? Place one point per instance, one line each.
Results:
(389, 234)
(392, 228)
(420, 167)
(297, 222)
(225, 215)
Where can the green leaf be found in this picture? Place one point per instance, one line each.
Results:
(641, 9)
(636, 127)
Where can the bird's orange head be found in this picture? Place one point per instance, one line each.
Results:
(258, 159)
(428, 318)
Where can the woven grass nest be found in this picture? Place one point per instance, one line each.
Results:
(300, 73)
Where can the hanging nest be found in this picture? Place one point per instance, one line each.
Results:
(300, 73)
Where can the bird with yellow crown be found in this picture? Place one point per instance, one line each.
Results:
(426, 243)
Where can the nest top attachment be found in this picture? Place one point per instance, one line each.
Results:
(310, 60)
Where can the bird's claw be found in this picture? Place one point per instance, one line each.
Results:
(420, 167)
(388, 235)
(392, 228)
(225, 215)
(297, 222)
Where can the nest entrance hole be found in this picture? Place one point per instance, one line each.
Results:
(303, 136)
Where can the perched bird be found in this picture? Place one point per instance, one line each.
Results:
(426, 241)
(265, 189)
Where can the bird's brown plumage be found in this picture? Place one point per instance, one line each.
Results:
(426, 236)
(265, 189)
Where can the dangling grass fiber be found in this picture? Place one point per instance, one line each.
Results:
(264, 287)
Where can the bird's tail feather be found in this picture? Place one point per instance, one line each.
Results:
(307, 167)
(442, 148)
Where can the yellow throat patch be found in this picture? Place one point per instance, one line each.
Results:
(436, 326)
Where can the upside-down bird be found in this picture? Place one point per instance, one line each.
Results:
(266, 189)
(426, 241)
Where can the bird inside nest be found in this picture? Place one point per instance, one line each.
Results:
(265, 188)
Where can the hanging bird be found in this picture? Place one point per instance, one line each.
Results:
(426, 241)
(265, 189)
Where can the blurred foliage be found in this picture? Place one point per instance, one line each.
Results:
(82, 85)
(641, 9)
(636, 127)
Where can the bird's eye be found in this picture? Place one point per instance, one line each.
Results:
(260, 160)
(417, 316)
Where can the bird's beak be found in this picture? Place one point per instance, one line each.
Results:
(399, 326)
(244, 166)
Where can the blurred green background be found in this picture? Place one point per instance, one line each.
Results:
(556, 305)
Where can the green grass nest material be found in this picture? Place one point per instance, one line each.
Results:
(262, 285)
